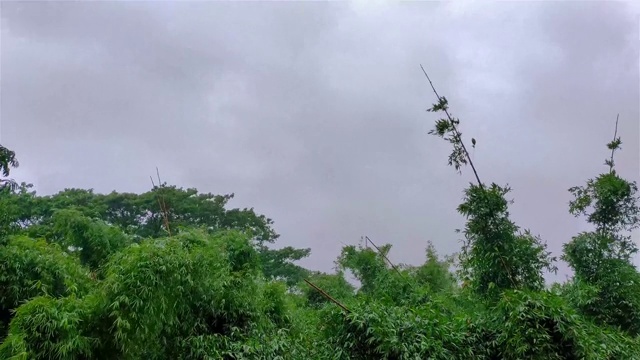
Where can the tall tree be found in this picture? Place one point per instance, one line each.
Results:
(601, 259)
(496, 256)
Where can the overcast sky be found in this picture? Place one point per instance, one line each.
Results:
(314, 113)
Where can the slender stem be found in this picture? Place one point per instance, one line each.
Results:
(162, 204)
(383, 255)
(327, 295)
(455, 130)
(613, 148)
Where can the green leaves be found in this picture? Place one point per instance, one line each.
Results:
(494, 252)
(157, 297)
(367, 266)
(443, 126)
(609, 202)
(375, 331)
(279, 264)
(447, 128)
(100, 224)
(49, 328)
(334, 284)
(613, 283)
(31, 268)
(7, 161)
(441, 105)
(494, 258)
(606, 285)
(458, 156)
(542, 325)
(93, 240)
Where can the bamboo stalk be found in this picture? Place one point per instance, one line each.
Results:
(162, 204)
(327, 296)
(383, 255)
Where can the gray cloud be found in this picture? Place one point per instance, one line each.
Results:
(313, 113)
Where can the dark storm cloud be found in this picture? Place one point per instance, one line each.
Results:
(314, 112)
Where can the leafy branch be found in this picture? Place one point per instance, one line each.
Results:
(460, 155)
(613, 145)
(496, 258)
(601, 259)
(7, 161)
(608, 201)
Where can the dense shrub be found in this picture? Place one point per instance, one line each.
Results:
(31, 268)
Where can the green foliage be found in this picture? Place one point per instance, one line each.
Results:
(31, 268)
(495, 257)
(404, 285)
(542, 325)
(521, 325)
(446, 128)
(606, 289)
(377, 331)
(435, 273)
(609, 202)
(278, 264)
(36, 321)
(7, 161)
(162, 289)
(93, 240)
(140, 216)
(334, 284)
(15, 205)
(161, 298)
(606, 286)
(367, 266)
